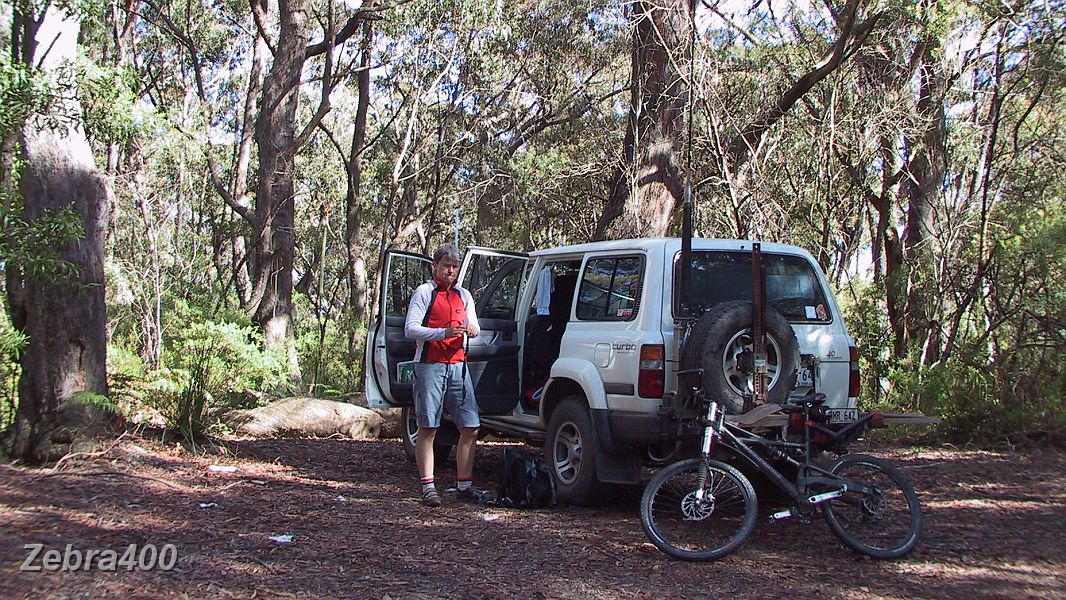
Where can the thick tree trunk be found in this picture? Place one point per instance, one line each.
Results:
(64, 316)
(646, 185)
(274, 243)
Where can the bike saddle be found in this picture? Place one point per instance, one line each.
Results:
(811, 399)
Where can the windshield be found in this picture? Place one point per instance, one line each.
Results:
(791, 284)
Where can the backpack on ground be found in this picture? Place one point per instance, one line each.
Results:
(525, 481)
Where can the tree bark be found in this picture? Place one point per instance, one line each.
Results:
(275, 134)
(646, 184)
(64, 316)
(926, 168)
(353, 222)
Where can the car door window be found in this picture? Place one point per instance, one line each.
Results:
(610, 289)
(791, 284)
(494, 283)
(405, 274)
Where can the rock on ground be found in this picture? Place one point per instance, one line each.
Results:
(306, 417)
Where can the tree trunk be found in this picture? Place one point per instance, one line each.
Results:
(646, 185)
(274, 243)
(239, 186)
(926, 169)
(64, 316)
(353, 223)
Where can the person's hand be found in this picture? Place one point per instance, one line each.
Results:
(450, 332)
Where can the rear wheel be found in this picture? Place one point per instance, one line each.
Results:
(441, 451)
(689, 528)
(571, 452)
(886, 521)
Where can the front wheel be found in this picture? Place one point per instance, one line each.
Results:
(886, 520)
(689, 528)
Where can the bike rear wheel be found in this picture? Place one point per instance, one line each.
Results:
(883, 524)
(686, 528)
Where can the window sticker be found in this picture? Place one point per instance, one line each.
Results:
(810, 311)
(821, 312)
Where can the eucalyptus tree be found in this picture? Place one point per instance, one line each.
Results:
(646, 184)
(948, 96)
(62, 311)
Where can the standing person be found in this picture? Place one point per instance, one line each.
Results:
(439, 318)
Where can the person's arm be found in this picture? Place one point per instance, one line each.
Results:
(416, 314)
(473, 328)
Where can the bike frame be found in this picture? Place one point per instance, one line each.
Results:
(717, 431)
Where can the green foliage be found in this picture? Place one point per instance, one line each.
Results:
(33, 247)
(207, 365)
(110, 109)
(211, 365)
(863, 307)
(326, 361)
(11, 344)
(95, 399)
(23, 91)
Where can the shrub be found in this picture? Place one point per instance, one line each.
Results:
(212, 365)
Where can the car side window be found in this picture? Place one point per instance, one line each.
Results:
(610, 289)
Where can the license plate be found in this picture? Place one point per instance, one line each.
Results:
(843, 415)
(805, 377)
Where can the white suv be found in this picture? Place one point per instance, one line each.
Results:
(593, 380)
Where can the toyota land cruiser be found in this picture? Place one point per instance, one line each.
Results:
(579, 345)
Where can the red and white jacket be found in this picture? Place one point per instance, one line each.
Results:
(434, 308)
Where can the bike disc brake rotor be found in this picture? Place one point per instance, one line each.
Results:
(696, 510)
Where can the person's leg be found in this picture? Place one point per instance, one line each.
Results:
(464, 411)
(429, 387)
(424, 452)
(464, 453)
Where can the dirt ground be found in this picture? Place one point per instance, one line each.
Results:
(995, 528)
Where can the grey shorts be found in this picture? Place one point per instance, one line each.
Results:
(441, 387)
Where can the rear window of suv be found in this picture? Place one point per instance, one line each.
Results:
(791, 284)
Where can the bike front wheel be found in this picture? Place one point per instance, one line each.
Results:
(884, 522)
(686, 527)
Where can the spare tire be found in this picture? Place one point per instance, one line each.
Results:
(720, 343)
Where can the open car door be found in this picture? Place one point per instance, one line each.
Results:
(495, 279)
(388, 366)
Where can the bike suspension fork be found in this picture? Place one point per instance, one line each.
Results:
(710, 435)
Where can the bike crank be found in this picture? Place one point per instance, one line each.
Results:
(813, 500)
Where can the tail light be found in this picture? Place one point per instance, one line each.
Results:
(853, 377)
(796, 422)
(652, 371)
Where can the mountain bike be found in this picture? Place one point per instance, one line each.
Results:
(702, 508)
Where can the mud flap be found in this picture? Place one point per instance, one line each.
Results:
(618, 467)
(614, 464)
